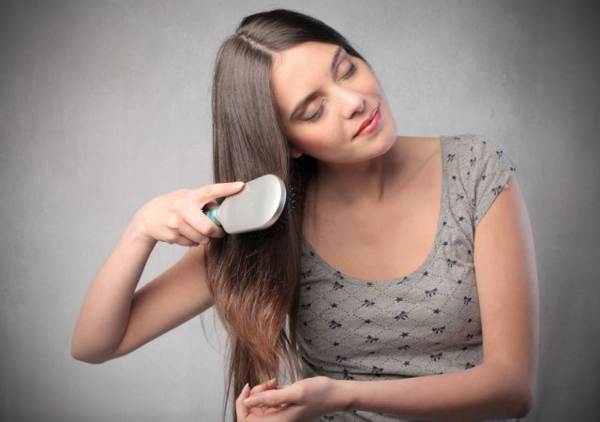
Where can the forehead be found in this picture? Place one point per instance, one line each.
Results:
(298, 70)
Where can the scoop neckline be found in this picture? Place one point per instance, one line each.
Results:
(432, 251)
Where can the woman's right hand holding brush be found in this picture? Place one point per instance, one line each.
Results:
(177, 217)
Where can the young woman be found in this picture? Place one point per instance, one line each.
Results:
(387, 297)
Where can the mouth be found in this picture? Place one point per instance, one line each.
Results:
(367, 121)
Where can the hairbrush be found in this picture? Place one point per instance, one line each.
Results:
(259, 210)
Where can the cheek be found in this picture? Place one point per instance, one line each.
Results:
(326, 134)
(315, 142)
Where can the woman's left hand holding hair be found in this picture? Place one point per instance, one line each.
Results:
(297, 402)
(243, 411)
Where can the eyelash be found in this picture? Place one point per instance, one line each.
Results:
(316, 116)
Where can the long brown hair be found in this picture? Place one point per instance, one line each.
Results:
(253, 281)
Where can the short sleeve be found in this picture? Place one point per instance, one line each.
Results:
(494, 167)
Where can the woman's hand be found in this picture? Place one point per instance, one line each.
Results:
(305, 399)
(177, 217)
(243, 411)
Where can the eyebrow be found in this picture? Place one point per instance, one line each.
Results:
(302, 104)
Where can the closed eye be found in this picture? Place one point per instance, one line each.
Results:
(317, 115)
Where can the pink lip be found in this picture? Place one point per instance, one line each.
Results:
(371, 126)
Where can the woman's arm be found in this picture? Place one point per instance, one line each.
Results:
(104, 314)
(486, 391)
(504, 385)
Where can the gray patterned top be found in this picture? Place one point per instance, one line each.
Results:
(423, 323)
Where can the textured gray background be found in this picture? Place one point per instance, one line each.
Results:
(105, 105)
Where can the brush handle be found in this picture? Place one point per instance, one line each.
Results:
(212, 214)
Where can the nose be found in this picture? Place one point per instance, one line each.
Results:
(355, 103)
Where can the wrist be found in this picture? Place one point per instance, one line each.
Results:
(135, 231)
(342, 395)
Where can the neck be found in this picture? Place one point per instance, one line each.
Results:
(370, 182)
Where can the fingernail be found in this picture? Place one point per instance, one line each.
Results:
(239, 184)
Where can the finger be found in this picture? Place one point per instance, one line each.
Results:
(218, 190)
(180, 226)
(182, 240)
(270, 398)
(274, 409)
(277, 414)
(241, 409)
(191, 233)
(262, 387)
(197, 225)
(195, 214)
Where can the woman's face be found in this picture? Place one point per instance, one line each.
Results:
(326, 125)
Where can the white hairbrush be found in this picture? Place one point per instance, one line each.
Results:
(257, 207)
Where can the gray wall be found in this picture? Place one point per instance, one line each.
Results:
(105, 105)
